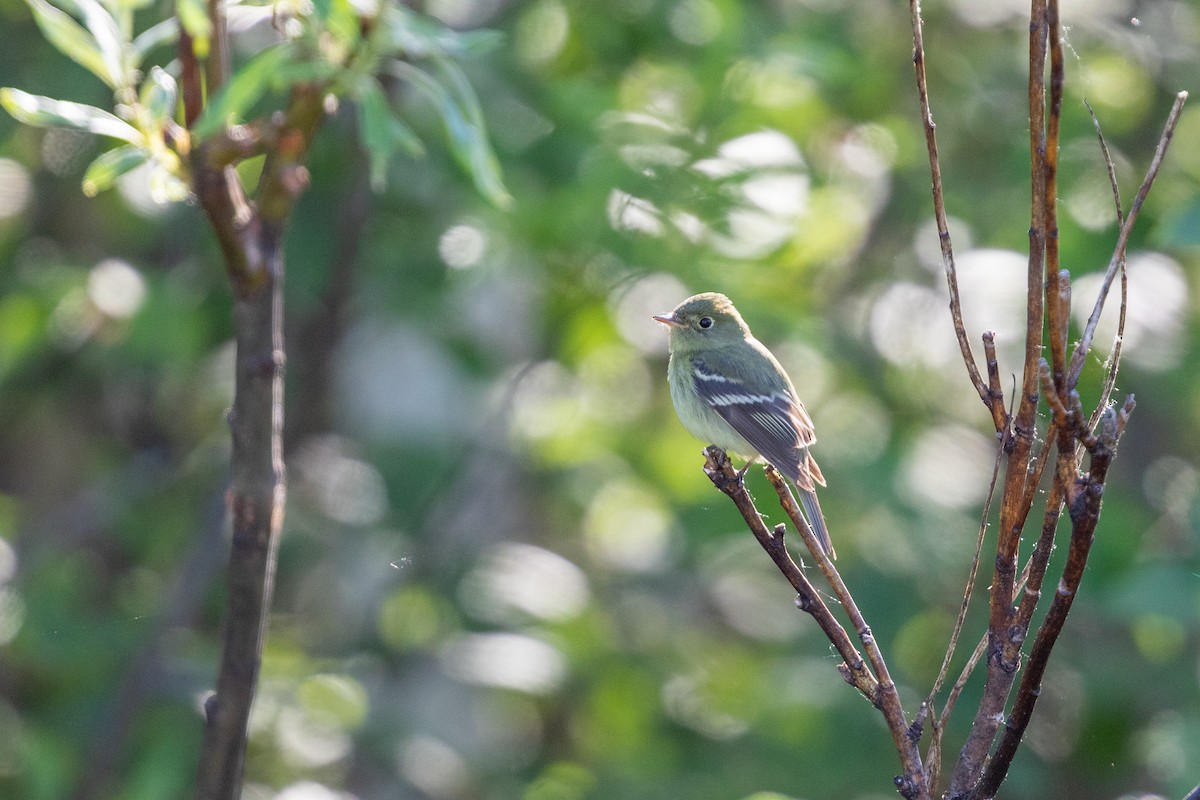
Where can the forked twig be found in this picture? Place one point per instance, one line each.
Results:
(934, 757)
(854, 669)
(1118, 257)
(905, 737)
(993, 401)
(1083, 503)
(1080, 494)
(978, 772)
(1114, 358)
(971, 580)
(1003, 654)
(878, 687)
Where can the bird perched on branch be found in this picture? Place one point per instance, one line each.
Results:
(730, 391)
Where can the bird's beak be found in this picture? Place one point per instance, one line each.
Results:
(668, 320)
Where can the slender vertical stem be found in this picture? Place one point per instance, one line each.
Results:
(887, 698)
(1057, 283)
(1083, 505)
(1003, 652)
(879, 688)
(250, 235)
(994, 401)
(853, 667)
(256, 494)
(1118, 257)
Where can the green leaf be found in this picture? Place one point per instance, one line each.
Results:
(165, 32)
(107, 34)
(418, 36)
(193, 16)
(318, 71)
(245, 88)
(130, 5)
(382, 132)
(464, 125)
(62, 31)
(477, 149)
(249, 171)
(103, 172)
(159, 95)
(471, 44)
(45, 112)
(344, 21)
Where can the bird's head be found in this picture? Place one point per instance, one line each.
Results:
(704, 321)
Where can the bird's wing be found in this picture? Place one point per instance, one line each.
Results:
(774, 422)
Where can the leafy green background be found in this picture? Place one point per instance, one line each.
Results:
(503, 574)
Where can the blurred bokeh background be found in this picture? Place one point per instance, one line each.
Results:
(503, 573)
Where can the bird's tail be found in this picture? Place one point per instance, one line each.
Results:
(812, 510)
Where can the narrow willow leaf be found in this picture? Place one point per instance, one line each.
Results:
(382, 132)
(470, 44)
(484, 166)
(319, 71)
(463, 94)
(464, 126)
(418, 36)
(245, 88)
(104, 171)
(193, 17)
(107, 34)
(165, 32)
(344, 21)
(45, 112)
(159, 95)
(70, 38)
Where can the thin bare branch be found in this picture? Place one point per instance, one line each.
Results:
(1035, 568)
(973, 661)
(887, 699)
(994, 405)
(1109, 166)
(1003, 650)
(933, 756)
(878, 687)
(1058, 287)
(1114, 357)
(972, 578)
(1117, 261)
(993, 372)
(854, 669)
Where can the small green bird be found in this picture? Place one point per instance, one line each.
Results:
(730, 391)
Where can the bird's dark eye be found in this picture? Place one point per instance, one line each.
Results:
(706, 322)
